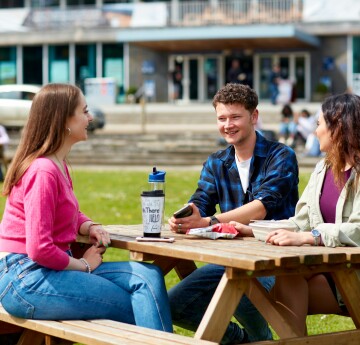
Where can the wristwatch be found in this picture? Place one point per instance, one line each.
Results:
(213, 220)
(316, 234)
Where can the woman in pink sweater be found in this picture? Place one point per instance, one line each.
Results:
(39, 278)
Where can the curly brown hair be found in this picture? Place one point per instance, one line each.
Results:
(237, 94)
(342, 117)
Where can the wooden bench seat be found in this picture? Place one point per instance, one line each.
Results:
(92, 332)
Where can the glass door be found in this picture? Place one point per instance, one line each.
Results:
(294, 69)
(194, 78)
(212, 73)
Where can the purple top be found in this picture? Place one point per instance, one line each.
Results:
(329, 196)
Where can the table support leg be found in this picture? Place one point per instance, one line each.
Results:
(271, 311)
(30, 337)
(185, 267)
(221, 309)
(349, 286)
(182, 267)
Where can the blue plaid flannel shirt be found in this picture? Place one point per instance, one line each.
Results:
(273, 179)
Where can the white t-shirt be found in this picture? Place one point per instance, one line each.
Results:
(244, 171)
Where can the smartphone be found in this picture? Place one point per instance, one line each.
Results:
(155, 239)
(185, 211)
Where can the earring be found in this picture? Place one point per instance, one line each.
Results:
(69, 131)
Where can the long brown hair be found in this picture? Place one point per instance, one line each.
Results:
(342, 117)
(45, 130)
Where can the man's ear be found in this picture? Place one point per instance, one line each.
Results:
(254, 116)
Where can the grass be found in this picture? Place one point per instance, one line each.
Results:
(113, 197)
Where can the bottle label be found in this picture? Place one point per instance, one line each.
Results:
(152, 213)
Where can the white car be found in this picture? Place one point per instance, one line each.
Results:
(15, 103)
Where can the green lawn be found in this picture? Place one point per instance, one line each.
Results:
(113, 197)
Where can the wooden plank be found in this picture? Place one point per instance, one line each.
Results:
(235, 246)
(6, 328)
(278, 271)
(166, 264)
(185, 267)
(30, 337)
(336, 256)
(283, 256)
(158, 336)
(96, 332)
(124, 238)
(221, 308)
(49, 340)
(37, 329)
(349, 286)
(138, 256)
(271, 311)
(338, 338)
(309, 255)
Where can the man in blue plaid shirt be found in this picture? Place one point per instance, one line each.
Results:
(253, 178)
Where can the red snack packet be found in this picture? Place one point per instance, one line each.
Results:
(225, 228)
(220, 230)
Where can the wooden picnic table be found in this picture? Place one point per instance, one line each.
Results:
(245, 259)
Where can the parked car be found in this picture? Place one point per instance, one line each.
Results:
(15, 103)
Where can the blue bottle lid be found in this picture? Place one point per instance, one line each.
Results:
(157, 176)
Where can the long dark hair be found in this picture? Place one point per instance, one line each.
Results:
(342, 117)
(45, 130)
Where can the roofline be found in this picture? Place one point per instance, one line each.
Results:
(217, 32)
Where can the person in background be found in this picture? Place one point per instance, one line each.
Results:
(275, 78)
(4, 141)
(177, 79)
(328, 212)
(312, 145)
(235, 73)
(40, 279)
(253, 178)
(287, 130)
(305, 125)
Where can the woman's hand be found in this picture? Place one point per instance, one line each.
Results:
(98, 236)
(94, 256)
(244, 230)
(181, 225)
(282, 237)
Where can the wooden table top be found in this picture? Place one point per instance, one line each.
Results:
(241, 253)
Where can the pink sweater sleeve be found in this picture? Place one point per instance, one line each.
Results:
(52, 218)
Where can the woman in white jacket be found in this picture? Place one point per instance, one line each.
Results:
(328, 212)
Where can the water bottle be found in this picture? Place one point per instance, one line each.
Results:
(153, 204)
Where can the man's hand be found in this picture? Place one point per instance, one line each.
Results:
(181, 225)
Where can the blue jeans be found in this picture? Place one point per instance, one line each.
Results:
(129, 292)
(287, 128)
(274, 93)
(190, 298)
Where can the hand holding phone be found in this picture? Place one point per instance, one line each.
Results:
(185, 211)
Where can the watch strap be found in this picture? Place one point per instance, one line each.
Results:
(315, 233)
(213, 220)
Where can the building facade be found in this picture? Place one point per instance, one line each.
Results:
(183, 50)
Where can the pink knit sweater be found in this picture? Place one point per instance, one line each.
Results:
(41, 216)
